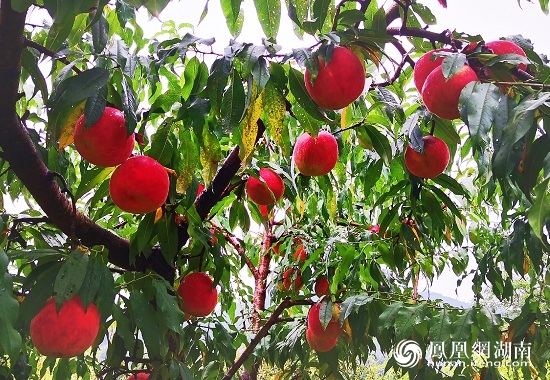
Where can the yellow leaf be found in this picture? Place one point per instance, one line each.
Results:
(158, 214)
(210, 155)
(189, 161)
(67, 131)
(346, 119)
(275, 111)
(347, 331)
(250, 125)
(526, 264)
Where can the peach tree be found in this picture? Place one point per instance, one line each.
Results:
(369, 233)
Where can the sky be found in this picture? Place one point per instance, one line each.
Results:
(490, 18)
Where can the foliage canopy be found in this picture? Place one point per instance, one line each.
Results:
(215, 118)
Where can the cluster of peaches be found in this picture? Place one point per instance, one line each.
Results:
(140, 184)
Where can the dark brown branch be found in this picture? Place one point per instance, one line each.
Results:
(262, 333)
(421, 33)
(44, 50)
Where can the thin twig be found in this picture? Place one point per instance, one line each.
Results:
(44, 50)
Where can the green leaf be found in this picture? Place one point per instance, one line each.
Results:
(269, 15)
(275, 111)
(153, 6)
(145, 317)
(445, 199)
(106, 293)
(539, 212)
(450, 183)
(92, 177)
(452, 64)
(210, 155)
(544, 6)
(70, 276)
(380, 143)
(478, 105)
(462, 326)
(29, 63)
(142, 237)
(298, 88)
(387, 318)
(77, 88)
(534, 162)
(168, 237)
(233, 16)
(440, 327)
(325, 313)
(351, 304)
(406, 320)
(91, 282)
(188, 163)
(162, 147)
(10, 339)
(129, 104)
(100, 33)
(195, 76)
(170, 312)
(233, 103)
(95, 106)
(59, 32)
(425, 13)
(21, 5)
(321, 9)
(217, 81)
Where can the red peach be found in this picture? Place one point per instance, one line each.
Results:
(315, 156)
(432, 162)
(338, 83)
(105, 143)
(300, 254)
(140, 185)
(199, 295)
(66, 333)
(321, 286)
(318, 344)
(501, 47)
(425, 65)
(292, 280)
(333, 328)
(440, 95)
(139, 376)
(266, 191)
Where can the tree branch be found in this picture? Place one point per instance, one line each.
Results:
(231, 239)
(262, 333)
(44, 50)
(421, 33)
